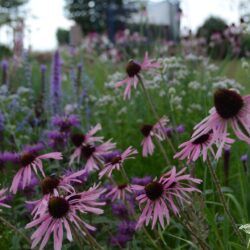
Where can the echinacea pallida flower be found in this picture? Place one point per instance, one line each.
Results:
(161, 197)
(92, 154)
(133, 69)
(52, 185)
(195, 147)
(3, 197)
(229, 108)
(119, 192)
(117, 161)
(62, 213)
(152, 130)
(28, 162)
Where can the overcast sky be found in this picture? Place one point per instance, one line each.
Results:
(49, 16)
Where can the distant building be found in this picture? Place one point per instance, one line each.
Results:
(164, 14)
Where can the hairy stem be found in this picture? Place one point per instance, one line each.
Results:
(223, 201)
(156, 116)
(8, 224)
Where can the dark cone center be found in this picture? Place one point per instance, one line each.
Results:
(77, 139)
(154, 190)
(228, 103)
(146, 129)
(133, 68)
(87, 151)
(26, 159)
(58, 207)
(116, 160)
(122, 186)
(48, 184)
(201, 139)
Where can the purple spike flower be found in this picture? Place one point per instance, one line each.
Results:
(56, 83)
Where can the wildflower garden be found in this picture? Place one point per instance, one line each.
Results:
(126, 146)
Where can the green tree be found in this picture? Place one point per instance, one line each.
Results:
(93, 15)
(210, 26)
(62, 36)
(9, 10)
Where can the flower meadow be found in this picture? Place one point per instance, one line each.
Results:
(143, 153)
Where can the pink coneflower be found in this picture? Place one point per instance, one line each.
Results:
(117, 161)
(229, 108)
(149, 131)
(159, 196)
(119, 192)
(198, 146)
(3, 197)
(52, 185)
(79, 139)
(28, 162)
(62, 211)
(133, 69)
(92, 154)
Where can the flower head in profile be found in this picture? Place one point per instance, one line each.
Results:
(62, 212)
(92, 154)
(160, 197)
(148, 131)
(119, 192)
(133, 70)
(79, 139)
(198, 146)
(117, 161)
(29, 161)
(3, 197)
(229, 108)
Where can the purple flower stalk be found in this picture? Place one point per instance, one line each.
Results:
(56, 83)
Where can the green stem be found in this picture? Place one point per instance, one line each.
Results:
(8, 224)
(223, 201)
(157, 117)
(91, 239)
